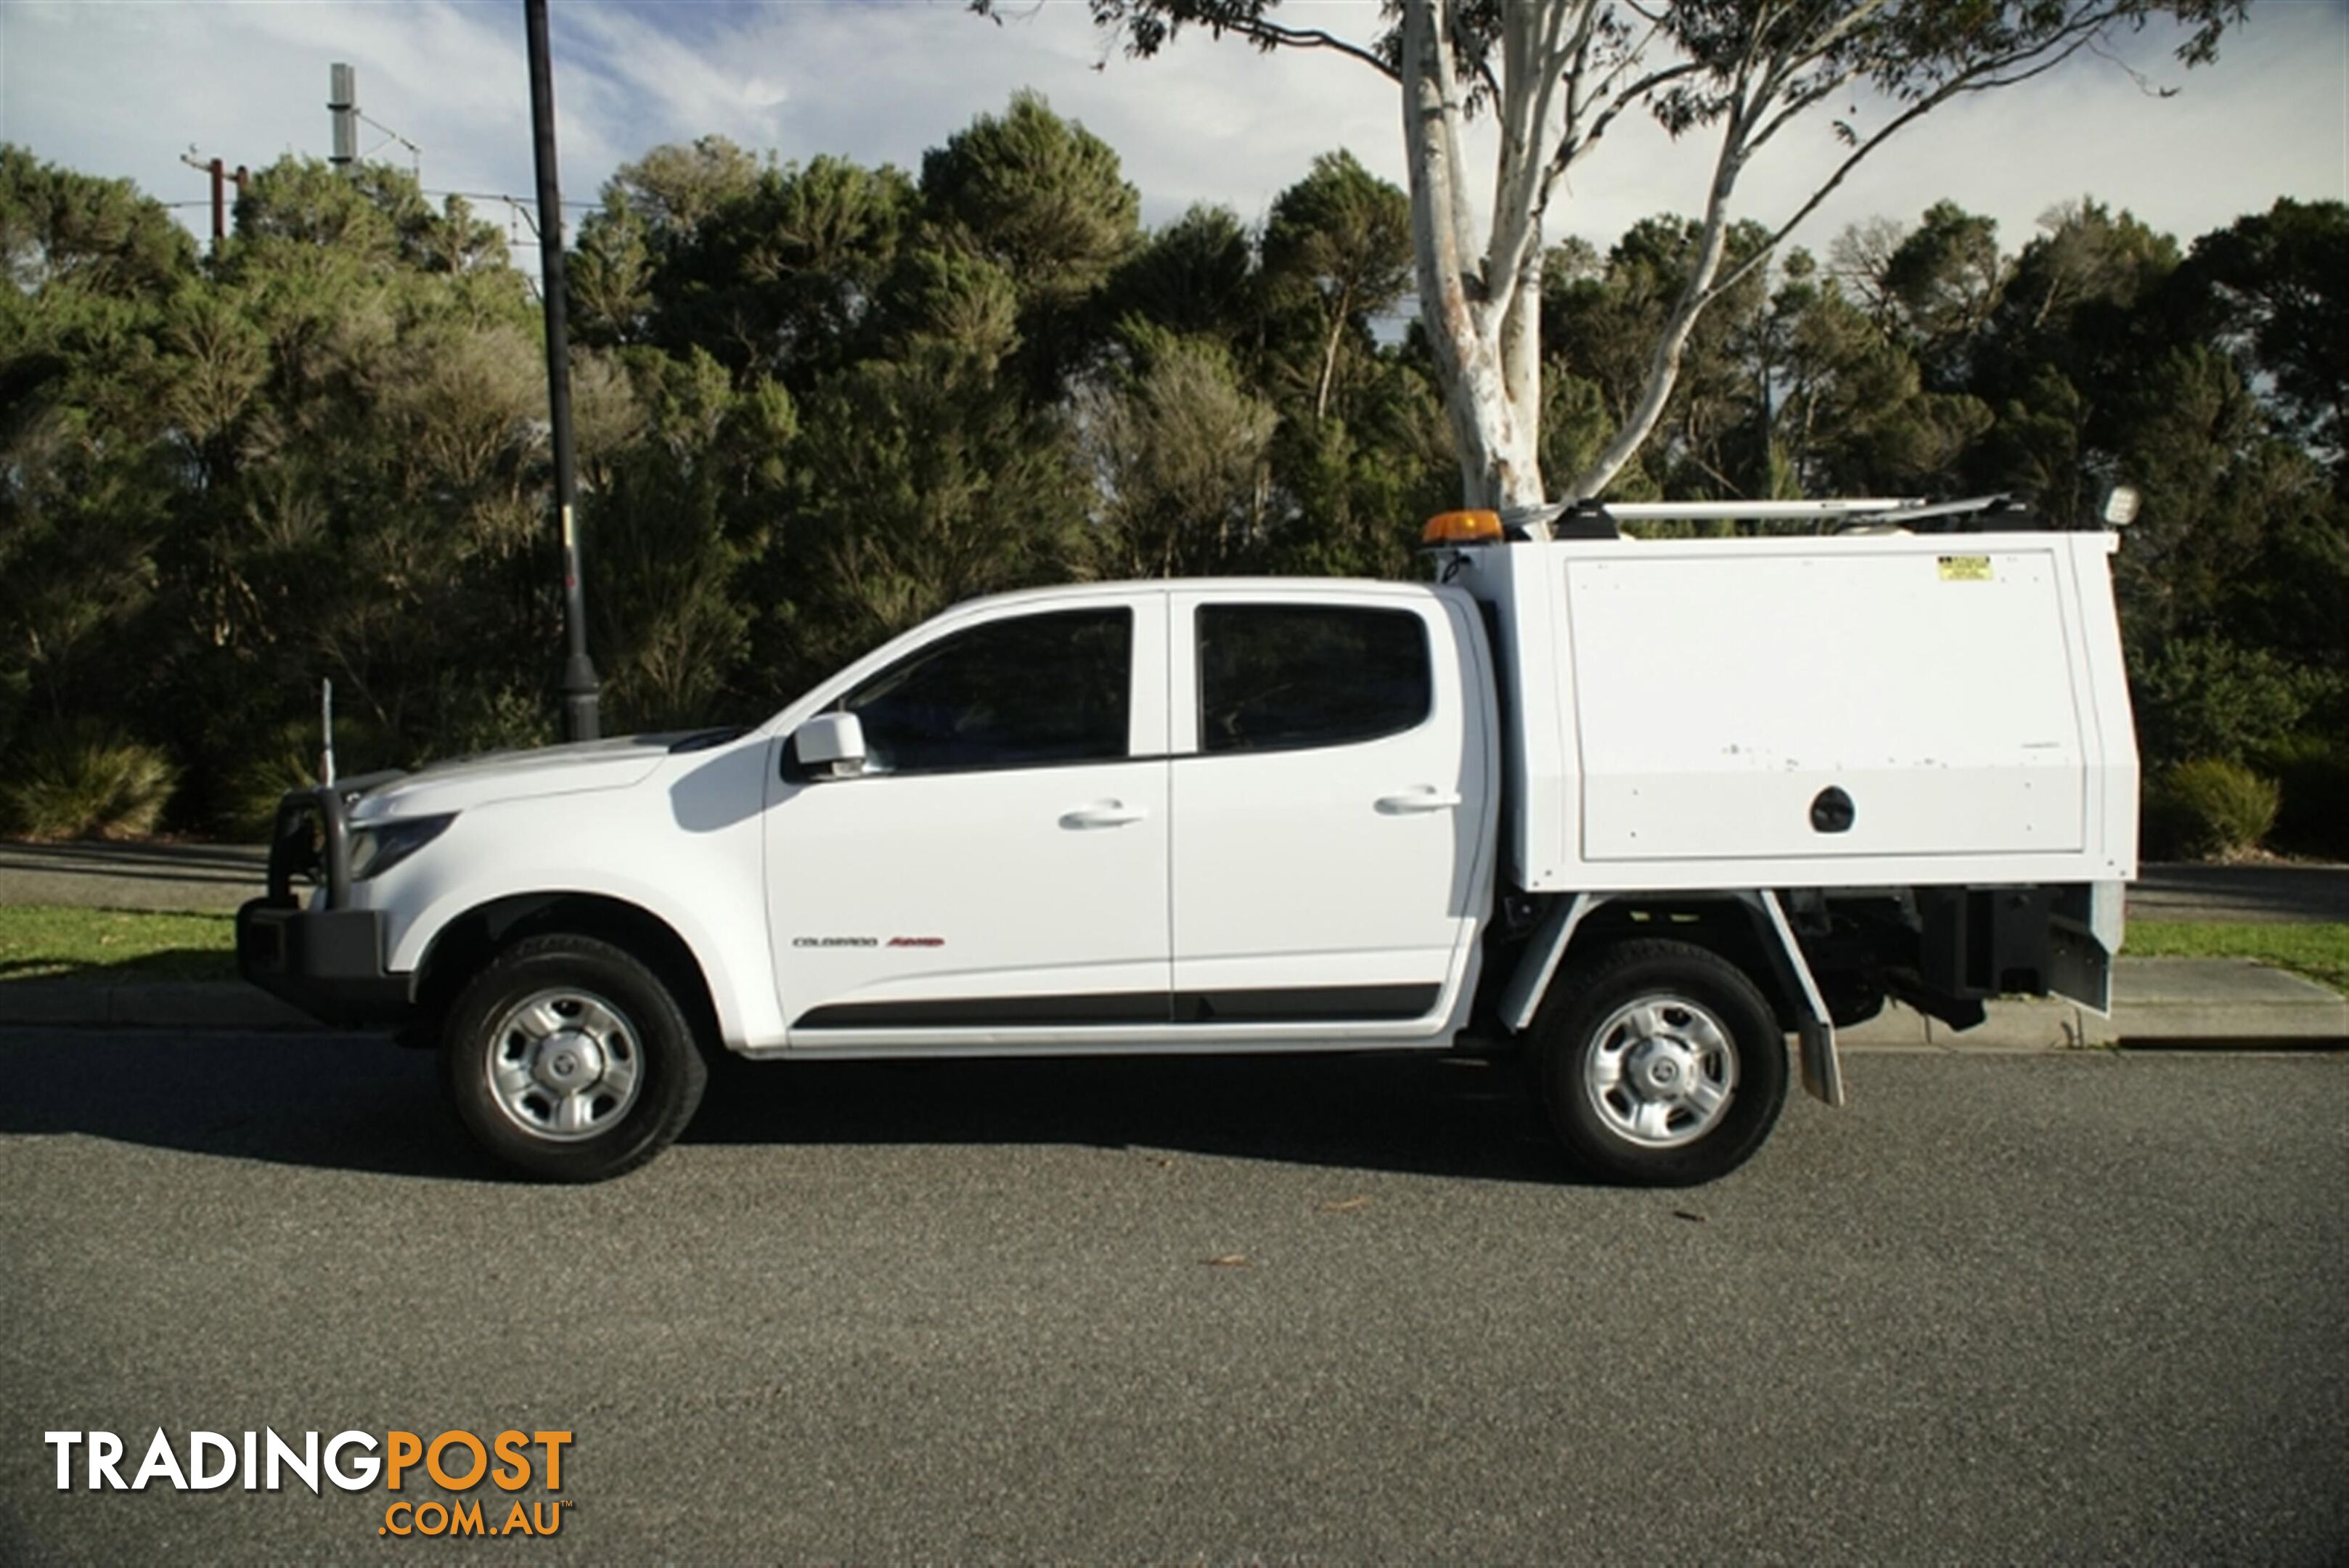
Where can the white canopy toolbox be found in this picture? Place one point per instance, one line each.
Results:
(1856, 709)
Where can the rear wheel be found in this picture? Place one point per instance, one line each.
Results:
(569, 1060)
(1658, 1064)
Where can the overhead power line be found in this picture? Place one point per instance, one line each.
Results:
(502, 196)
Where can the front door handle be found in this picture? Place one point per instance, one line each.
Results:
(1103, 814)
(1424, 798)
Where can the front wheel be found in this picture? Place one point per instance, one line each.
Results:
(1658, 1064)
(570, 1061)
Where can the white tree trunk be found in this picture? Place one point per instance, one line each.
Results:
(1487, 347)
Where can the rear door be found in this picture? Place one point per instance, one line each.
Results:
(1330, 800)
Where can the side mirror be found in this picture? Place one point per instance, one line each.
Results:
(829, 746)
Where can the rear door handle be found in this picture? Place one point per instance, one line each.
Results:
(1103, 814)
(1424, 798)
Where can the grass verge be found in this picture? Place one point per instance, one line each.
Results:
(47, 942)
(2319, 952)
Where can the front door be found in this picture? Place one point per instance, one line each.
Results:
(1001, 862)
(1331, 800)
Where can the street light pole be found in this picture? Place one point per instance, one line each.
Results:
(580, 695)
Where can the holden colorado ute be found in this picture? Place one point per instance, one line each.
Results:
(1635, 809)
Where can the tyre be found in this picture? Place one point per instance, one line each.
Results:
(1658, 1064)
(569, 1060)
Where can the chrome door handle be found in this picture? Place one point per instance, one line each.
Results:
(1418, 800)
(1104, 813)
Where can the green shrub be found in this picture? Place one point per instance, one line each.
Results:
(86, 781)
(248, 782)
(2208, 808)
(2313, 774)
(481, 719)
(251, 787)
(2204, 697)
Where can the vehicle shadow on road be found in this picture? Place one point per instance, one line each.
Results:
(1414, 1114)
(359, 1104)
(354, 1102)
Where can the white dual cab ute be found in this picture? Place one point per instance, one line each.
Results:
(1637, 810)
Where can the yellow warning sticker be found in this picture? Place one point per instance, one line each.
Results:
(1965, 568)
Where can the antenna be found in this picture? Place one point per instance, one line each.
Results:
(343, 106)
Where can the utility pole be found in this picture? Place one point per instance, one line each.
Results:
(218, 172)
(580, 694)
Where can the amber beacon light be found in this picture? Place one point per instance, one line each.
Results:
(1461, 528)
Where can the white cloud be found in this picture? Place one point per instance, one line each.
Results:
(122, 90)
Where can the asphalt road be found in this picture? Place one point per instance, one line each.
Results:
(2030, 1308)
(2275, 892)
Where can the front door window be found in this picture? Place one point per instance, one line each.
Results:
(1035, 692)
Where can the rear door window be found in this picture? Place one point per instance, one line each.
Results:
(1283, 677)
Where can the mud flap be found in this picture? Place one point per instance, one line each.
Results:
(2083, 932)
(1822, 1068)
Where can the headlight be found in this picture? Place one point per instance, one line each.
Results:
(386, 845)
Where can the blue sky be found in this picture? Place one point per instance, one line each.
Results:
(124, 88)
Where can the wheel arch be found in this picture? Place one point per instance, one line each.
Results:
(464, 944)
(1745, 929)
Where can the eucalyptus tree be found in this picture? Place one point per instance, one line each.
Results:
(1558, 74)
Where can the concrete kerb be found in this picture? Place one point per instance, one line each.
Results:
(2011, 1027)
(2165, 1001)
(2177, 1002)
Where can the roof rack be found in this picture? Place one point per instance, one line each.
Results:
(1597, 520)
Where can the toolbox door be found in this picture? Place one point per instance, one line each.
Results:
(1911, 703)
